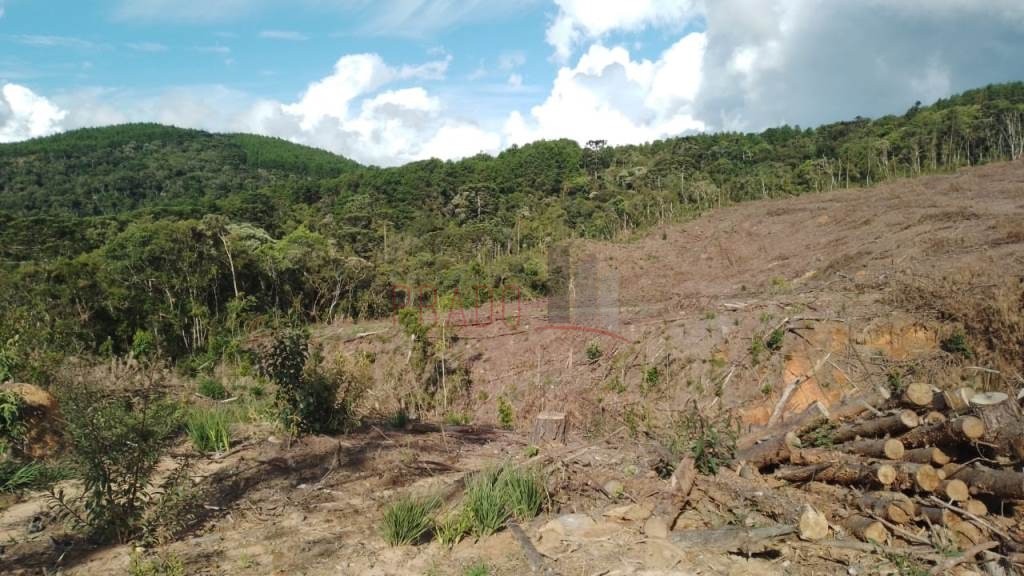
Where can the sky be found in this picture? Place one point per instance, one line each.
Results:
(387, 82)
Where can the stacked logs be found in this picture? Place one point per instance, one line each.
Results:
(923, 458)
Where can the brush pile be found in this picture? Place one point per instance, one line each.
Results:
(919, 465)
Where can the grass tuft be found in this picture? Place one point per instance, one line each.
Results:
(408, 519)
(209, 430)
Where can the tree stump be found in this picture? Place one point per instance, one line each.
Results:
(550, 428)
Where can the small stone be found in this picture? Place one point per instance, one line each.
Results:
(656, 527)
(569, 524)
(631, 512)
(613, 488)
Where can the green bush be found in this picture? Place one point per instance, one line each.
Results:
(12, 429)
(593, 351)
(408, 519)
(506, 415)
(209, 430)
(115, 439)
(212, 389)
(709, 438)
(956, 344)
(313, 397)
(478, 569)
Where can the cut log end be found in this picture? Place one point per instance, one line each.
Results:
(867, 529)
(918, 395)
(955, 490)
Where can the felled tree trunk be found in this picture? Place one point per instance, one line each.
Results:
(892, 425)
(887, 448)
(843, 473)
(775, 450)
(927, 456)
(867, 529)
(893, 506)
(965, 429)
(1004, 484)
(1004, 428)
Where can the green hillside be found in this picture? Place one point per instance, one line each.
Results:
(189, 236)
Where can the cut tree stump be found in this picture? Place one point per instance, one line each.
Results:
(867, 529)
(920, 477)
(892, 425)
(549, 428)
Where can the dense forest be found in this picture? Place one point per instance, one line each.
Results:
(112, 236)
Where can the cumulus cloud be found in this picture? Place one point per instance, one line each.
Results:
(579, 20)
(24, 114)
(357, 110)
(608, 95)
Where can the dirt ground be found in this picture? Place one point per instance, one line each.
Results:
(839, 272)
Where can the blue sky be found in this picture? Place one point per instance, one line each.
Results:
(390, 81)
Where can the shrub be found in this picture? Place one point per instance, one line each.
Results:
(115, 441)
(212, 389)
(209, 430)
(774, 341)
(457, 419)
(407, 519)
(709, 439)
(12, 429)
(593, 351)
(313, 397)
(506, 415)
(956, 344)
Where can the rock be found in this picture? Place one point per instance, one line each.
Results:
(656, 527)
(569, 525)
(813, 524)
(41, 415)
(613, 488)
(630, 512)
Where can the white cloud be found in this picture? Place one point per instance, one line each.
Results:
(183, 10)
(515, 80)
(45, 41)
(578, 20)
(511, 59)
(356, 111)
(610, 96)
(147, 46)
(290, 35)
(24, 114)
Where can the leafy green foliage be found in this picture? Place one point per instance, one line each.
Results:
(116, 439)
(593, 351)
(478, 569)
(408, 519)
(774, 341)
(209, 430)
(12, 429)
(452, 528)
(506, 414)
(956, 344)
(212, 389)
(156, 565)
(494, 496)
(188, 236)
(312, 397)
(709, 438)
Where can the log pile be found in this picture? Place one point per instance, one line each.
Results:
(912, 461)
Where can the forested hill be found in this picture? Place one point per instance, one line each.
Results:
(110, 232)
